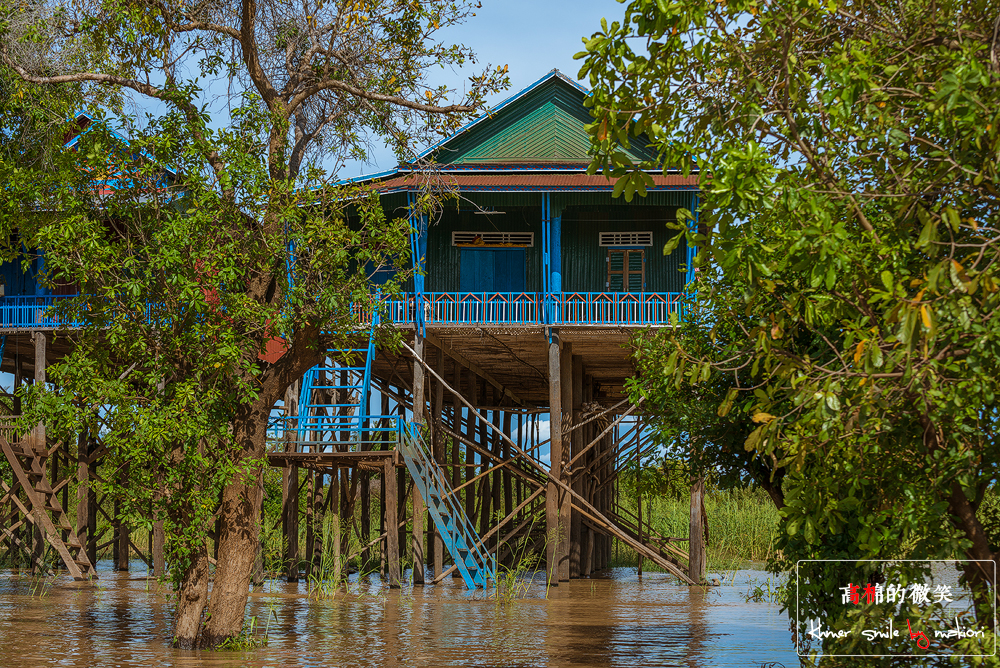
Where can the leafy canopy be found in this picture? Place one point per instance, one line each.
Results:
(848, 154)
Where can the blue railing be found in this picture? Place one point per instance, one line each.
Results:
(537, 308)
(318, 433)
(450, 308)
(31, 313)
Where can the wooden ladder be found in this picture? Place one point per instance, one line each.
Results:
(43, 509)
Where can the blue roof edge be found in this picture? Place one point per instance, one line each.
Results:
(117, 135)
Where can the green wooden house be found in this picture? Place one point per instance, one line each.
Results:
(528, 243)
(527, 237)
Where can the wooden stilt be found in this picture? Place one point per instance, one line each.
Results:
(418, 536)
(439, 457)
(587, 538)
(552, 525)
(290, 488)
(638, 492)
(470, 454)
(456, 424)
(383, 549)
(401, 487)
(83, 486)
(420, 418)
(565, 509)
(576, 438)
(39, 442)
(486, 495)
(335, 495)
(507, 479)
(124, 540)
(92, 500)
(159, 540)
(401, 494)
(310, 554)
(696, 537)
(318, 533)
(495, 477)
(392, 537)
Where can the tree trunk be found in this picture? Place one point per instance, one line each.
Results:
(191, 600)
(238, 537)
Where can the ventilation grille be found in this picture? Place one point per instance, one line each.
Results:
(626, 238)
(492, 238)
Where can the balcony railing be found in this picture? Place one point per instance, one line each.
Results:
(615, 309)
(30, 313)
(538, 309)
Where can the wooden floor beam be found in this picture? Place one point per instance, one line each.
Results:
(473, 367)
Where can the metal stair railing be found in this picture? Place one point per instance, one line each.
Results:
(476, 565)
(350, 411)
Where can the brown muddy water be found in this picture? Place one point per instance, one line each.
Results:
(616, 620)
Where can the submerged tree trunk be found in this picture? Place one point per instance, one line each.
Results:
(239, 534)
(191, 600)
(242, 498)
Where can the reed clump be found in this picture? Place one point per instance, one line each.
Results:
(743, 524)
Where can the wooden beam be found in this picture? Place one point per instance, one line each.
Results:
(392, 536)
(472, 366)
(580, 503)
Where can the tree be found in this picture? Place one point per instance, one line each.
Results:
(216, 230)
(694, 417)
(850, 199)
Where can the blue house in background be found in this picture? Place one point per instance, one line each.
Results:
(528, 243)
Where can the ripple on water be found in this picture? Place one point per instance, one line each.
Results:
(614, 620)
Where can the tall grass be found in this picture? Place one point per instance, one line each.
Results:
(742, 525)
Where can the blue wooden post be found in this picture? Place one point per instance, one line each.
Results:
(556, 261)
(418, 247)
(546, 260)
(551, 258)
(556, 217)
(691, 250)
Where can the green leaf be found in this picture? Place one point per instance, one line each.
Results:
(672, 243)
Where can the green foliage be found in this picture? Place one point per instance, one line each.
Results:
(513, 582)
(765, 591)
(988, 514)
(220, 226)
(849, 168)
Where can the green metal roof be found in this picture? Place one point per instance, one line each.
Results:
(543, 124)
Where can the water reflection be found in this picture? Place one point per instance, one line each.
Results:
(619, 620)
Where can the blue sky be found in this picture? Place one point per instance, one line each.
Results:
(531, 38)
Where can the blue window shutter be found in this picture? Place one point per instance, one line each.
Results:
(509, 267)
(492, 270)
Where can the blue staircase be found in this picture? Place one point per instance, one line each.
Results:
(334, 399)
(474, 563)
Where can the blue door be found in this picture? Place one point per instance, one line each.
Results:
(492, 270)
